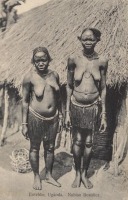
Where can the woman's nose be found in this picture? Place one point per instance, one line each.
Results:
(87, 42)
(41, 63)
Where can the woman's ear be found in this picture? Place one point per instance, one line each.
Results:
(79, 38)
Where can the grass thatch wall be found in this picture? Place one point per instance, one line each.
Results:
(56, 25)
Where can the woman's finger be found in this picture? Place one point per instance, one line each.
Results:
(103, 128)
(100, 127)
(23, 134)
(26, 137)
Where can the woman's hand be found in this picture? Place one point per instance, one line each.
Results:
(103, 125)
(25, 131)
(67, 120)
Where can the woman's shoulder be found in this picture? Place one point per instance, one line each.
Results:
(103, 61)
(27, 76)
(75, 59)
(54, 73)
(103, 58)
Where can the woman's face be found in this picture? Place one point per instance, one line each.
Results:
(41, 61)
(88, 40)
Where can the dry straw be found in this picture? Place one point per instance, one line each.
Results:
(56, 25)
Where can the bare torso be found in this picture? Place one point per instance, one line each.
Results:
(44, 90)
(87, 79)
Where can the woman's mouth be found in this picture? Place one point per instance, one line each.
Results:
(41, 66)
(88, 45)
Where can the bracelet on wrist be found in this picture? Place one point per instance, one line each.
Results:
(103, 116)
(24, 123)
(103, 113)
(60, 116)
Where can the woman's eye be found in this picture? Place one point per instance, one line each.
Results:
(92, 40)
(41, 60)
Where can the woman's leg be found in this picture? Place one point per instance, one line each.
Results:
(86, 158)
(34, 160)
(49, 154)
(77, 154)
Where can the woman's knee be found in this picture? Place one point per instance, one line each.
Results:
(49, 147)
(88, 141)
(88, 144)
(34, 146)
(78, 139)
(78, 142)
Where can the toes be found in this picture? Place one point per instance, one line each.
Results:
(56, 184)
(59, 185)
(53, 182)
(90, 185)
(37, 188)
(75, 185)
(87, 184)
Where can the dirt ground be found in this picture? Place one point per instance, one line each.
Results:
(15, 185)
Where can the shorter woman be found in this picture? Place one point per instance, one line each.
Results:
(86, 83)
(40, 113)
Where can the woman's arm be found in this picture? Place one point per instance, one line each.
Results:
(58, 97)
(25, 105)
(59, 103)
(26, 98)
(103, 94)
(103, 85)
(70, 80)
(70, 86)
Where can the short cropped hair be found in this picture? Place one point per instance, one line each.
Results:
(41, 49)
(95, 31)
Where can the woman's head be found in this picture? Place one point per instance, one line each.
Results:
(89, 37)
(41, 58)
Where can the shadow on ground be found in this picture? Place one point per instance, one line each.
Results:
(62, 165)
(64, 162)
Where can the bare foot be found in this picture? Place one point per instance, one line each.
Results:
(52, 181)
(76, 182)
(37, 183)
(86, 182)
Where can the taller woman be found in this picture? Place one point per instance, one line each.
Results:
(86, 84)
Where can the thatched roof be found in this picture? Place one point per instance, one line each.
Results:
(56, 25)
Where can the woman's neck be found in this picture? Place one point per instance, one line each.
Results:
(88, 52)
(43, 73)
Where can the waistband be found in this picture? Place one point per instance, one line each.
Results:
(42, 117)
(74, 102)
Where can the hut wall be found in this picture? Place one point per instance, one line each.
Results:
(103, 143)
(1, 108)
(15, 115)
(120, 139)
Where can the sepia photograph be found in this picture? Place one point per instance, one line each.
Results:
(64, 99)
